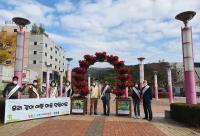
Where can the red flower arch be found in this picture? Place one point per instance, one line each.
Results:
(81, 87)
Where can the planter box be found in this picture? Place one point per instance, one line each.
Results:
(123, 107)
(78, 106)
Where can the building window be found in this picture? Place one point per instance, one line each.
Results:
(55, 67)
(45, 63)
(63, 64)
(51, 57)
(35, 52)
(35, 43)
(15, 30)
(34, 62)
(51, 48)
(46, 45)
(56, 59)
(45, 54)
(59, 61)
(56, 52)
(59, 69)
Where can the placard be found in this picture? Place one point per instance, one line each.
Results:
(26, 109)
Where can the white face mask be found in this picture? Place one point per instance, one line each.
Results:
(67, 84)
(15, 82)
(94, 84)
(34, 84)
(53, 84)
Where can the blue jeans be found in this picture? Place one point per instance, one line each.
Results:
(136, 103)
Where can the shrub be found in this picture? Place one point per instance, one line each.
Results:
(186, 113)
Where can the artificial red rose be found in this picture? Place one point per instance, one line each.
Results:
(80, 84)
(111, 58)
(122, 70)
(90, 58)
(78, 77)
(101, 56)
(80, 70)
(84, 64)
(118, 64)
(123, 77)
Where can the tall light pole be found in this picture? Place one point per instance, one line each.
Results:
(69, 77)
(156, 84)
(188, 58)
(61, 82)
(18, 71)
(169, 84)
(141, 59)
(47, 80)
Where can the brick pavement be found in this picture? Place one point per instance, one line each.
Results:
(86, 125)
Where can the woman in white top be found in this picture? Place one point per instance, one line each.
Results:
(53, 91)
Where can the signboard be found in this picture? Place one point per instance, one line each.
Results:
(123, 107)
(26, 109)
(78, 106)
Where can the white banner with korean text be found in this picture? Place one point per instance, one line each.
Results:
(26, 109)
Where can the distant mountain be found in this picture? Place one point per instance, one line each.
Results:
(109, 73)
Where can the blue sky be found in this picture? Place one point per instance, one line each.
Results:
(126, 28)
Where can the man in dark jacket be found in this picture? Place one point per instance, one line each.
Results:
(12, 89)
(105, 97)
(147, 97)
(136, 100)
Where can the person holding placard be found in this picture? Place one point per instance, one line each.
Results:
(53, 91)
(11, 90)
(34, 90)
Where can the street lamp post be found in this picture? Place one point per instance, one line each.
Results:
(141, 59)
(156, 84)
(188, 58)
(47, 80)
(69, 69)
(169, 85)
(18, 71)
(61, 82)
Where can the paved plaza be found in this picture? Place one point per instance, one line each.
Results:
(98, 125)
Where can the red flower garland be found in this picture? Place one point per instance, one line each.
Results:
(79, 73)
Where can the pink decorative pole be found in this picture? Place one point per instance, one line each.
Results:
(47, 81)
(169, 85)
(141, 71)
(61, 83)
(18, 71)
(188, 58)
(156, 84)
(69, 76)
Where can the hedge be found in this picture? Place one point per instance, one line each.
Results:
(186, 113)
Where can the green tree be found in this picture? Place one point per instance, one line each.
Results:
(34, 29)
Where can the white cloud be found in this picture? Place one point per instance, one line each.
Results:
(65, 6)
(127, 28)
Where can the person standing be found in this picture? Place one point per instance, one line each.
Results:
(94, 96)
(67, 90)
(105, 97)
(136, 100)
(53, 91)
(147, 97)
(11, 90)
(34, 90)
